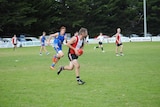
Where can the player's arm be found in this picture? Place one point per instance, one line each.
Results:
(51, 36)
(69, 44)
(98, 37)
(12, 40)
(40, 39)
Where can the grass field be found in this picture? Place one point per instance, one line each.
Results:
(132, 80)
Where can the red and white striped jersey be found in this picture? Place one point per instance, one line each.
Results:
(78, 44)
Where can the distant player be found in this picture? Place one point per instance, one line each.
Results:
(43, 47)
(100, 38)
(59, 37)
(119, 42)
(14, 42)
(75, 43)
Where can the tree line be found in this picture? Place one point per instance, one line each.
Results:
(35, 16)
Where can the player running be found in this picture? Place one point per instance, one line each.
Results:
(14, 42)
(100, 38)
(75, 43)
(43, 47)
(59, 37)
(119, 42)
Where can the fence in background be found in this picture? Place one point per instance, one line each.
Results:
(91, 41)
(127, 39)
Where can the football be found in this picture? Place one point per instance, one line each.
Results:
(80, 51)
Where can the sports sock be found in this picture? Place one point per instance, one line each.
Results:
(78, 78)
(102, 48)
(63, 68)
(54, 59)
(53, 65)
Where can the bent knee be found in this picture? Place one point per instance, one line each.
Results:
(78, 66)
(61, 54)
(70, 68)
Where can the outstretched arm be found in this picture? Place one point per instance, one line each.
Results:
(51, 36)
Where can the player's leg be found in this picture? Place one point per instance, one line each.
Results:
(67, 67)
(121, 50)
(77, 71)
(70, 66)
(102, 47)
(97, 46)
(73, 64)
(44, 48)
(59, 51)
(117, 45)
(56, 57)
(41, 48)
(14, 47)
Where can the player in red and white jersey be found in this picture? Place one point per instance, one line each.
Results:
(119, 42)
(14, 42)
(75, 43)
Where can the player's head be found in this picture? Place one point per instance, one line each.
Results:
(83, 32)
(14, 35)
(101, 33)
(118, 30)
(44, 33)
(62, 30)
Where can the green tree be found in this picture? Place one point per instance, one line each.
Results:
(14, 16)
(153, 16)
(35, 16)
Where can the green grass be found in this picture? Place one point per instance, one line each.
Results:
(129, 81)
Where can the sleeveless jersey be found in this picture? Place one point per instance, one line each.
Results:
(100, 38)
(14, 40)
(118, 39)
(43, 39)
(59, 39)
(78, 44)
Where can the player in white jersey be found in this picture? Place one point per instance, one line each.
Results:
(100, 38)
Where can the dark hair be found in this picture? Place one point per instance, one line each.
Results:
(63, 27)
